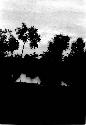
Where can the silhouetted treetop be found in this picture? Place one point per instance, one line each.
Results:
(60, 43)
(22, 32)
(34, 37)
(78, 46)
(7, 41)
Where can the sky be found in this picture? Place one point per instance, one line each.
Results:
(67, 15)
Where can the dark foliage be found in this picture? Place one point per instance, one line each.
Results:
(24, 33)
(61, 42)
(78, 47)
(7, 45)
(3, 45)
(52, 60)
(74, 66)
(21, 32)
(33, 37)
(71, 69)
(13, 43)
(56, 47)
(50, 68)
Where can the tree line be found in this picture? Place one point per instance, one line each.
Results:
(55, 69)
(23, 33)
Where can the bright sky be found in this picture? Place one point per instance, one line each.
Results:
(68, 15)
(56, 4)
(42, 12)
(60, 4)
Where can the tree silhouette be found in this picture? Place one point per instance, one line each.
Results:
(3, 43)
(78, 62)
(13, 43)
(59, 44)
(7, 42)
(22, 33)
(33, 37)
(78, 47)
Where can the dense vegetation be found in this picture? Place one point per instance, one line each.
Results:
(7, 43)
(50, 68)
